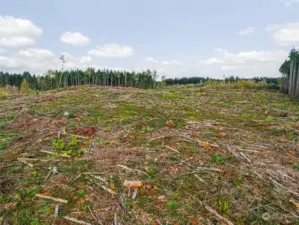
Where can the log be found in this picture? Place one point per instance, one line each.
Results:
(52, 198)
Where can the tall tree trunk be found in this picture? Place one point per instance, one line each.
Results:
(290, 80)
(297, 82)
(294, 78)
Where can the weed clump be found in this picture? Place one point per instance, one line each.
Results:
(71, 147)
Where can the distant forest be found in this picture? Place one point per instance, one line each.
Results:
(58, 79)
(202, 80)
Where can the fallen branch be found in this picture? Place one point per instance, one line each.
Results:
(96, 218)
(25, 162)
(108, 190)
(96, 177)
(200, 179)
(76, 221)
(115, 219)
(53, 153)
(233, 152)
(172, 149)
(218, 215)
(30, 159)
(48, 175)
(127, 168)
(209, 169)
(245, 157)
(52, 198)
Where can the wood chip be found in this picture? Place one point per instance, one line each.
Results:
(129, 183)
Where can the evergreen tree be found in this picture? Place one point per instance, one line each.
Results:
(24, 86)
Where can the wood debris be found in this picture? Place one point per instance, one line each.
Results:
(221, 218)
(72, 219)
(52, 198)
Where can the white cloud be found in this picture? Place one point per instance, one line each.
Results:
(246, 31)
(220, 50)
(39, 61)
(86, 59)
(32, 60)
(243, 64)
(152, 60)
(74, 38)
(246, 57)
(164, 62)
(211, 61)
(112, 50)
(15, 32)
(36, 53)
(288, 3)
(285, 34)
(3, 51)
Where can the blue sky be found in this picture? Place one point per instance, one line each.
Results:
(177, 38)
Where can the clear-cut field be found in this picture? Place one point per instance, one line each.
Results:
(202, 154)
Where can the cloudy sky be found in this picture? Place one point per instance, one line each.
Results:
(178, 38)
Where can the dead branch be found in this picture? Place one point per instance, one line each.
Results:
(25, 162)
(108, 190)
(218, 215)
(53, 153)
(233, 152)
(76, 221)
(127, 168)
(245, 157)
(52, 198)
(97, 219)
(209, 169)
(172, 149)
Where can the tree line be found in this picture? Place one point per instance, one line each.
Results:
(290, 71)
(62, 79)
(231, 79)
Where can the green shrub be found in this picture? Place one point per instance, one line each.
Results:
(173, 205)
(71, 148)
(24, 86)
(216, 157)
(58, 144)
(223, 206)
(71, 115)
(273, 86)
(246, 84)
(80, 193)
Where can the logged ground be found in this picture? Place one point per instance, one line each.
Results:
(203, 155)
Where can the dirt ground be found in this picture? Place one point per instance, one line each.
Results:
(200, 156)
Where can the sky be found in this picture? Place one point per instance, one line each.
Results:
(178, 38)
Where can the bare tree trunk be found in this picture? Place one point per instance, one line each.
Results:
(294, 79)
(290, 78)
(297, 82)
